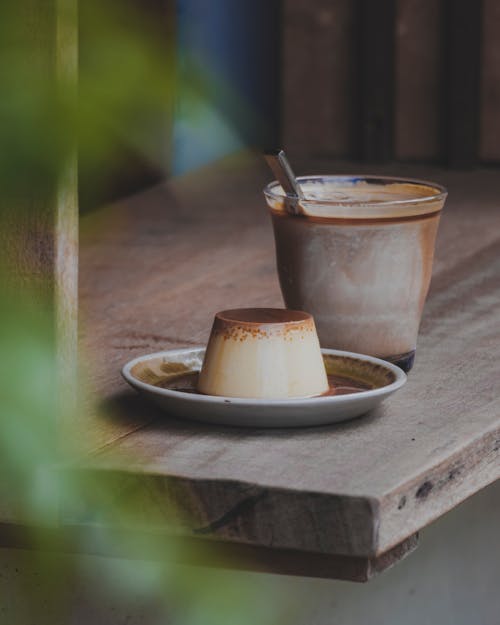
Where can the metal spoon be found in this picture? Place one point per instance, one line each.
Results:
(281, 168)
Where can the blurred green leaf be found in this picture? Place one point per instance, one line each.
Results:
(126, 81)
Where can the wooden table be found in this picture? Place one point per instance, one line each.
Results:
(343, 501)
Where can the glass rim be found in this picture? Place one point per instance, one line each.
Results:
(440, 192)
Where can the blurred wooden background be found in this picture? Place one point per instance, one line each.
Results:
(404, 80)
(354, 80)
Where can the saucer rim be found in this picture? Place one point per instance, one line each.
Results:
(399, 381)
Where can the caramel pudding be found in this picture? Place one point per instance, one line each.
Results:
(265, 353)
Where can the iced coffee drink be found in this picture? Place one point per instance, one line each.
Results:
(358, 257)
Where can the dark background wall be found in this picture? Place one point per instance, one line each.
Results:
(373, 80)
(426, 71)
(232, 50)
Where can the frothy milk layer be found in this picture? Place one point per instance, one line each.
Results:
(338, 197)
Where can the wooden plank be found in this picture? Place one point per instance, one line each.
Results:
(419, 76)
(39, 214)
(119, 543)
(66, 228)
(169, 245)
(39, 211)
(268, 31)
(318, 114)
(356, 489)
(463, 22)
(490, 83)
(376, 68)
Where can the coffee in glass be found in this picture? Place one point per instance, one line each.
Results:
(358, 257)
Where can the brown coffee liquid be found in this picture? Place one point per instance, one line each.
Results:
(339, 385)
(368, 201)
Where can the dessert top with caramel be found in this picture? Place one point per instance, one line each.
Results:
(259, 322)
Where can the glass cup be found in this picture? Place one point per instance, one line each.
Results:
(358, 257)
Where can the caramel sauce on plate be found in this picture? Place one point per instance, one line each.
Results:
(339, 385)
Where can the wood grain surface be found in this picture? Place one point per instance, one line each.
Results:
(322, 103)
(119, 543)
(154, 270)
(320, 107)
(462, 77)
(418, 81)
(490, 82)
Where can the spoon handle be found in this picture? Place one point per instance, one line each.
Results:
(281, 168)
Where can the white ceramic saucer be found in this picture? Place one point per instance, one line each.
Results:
(169, 379)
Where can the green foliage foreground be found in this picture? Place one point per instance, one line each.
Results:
(123, 78)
